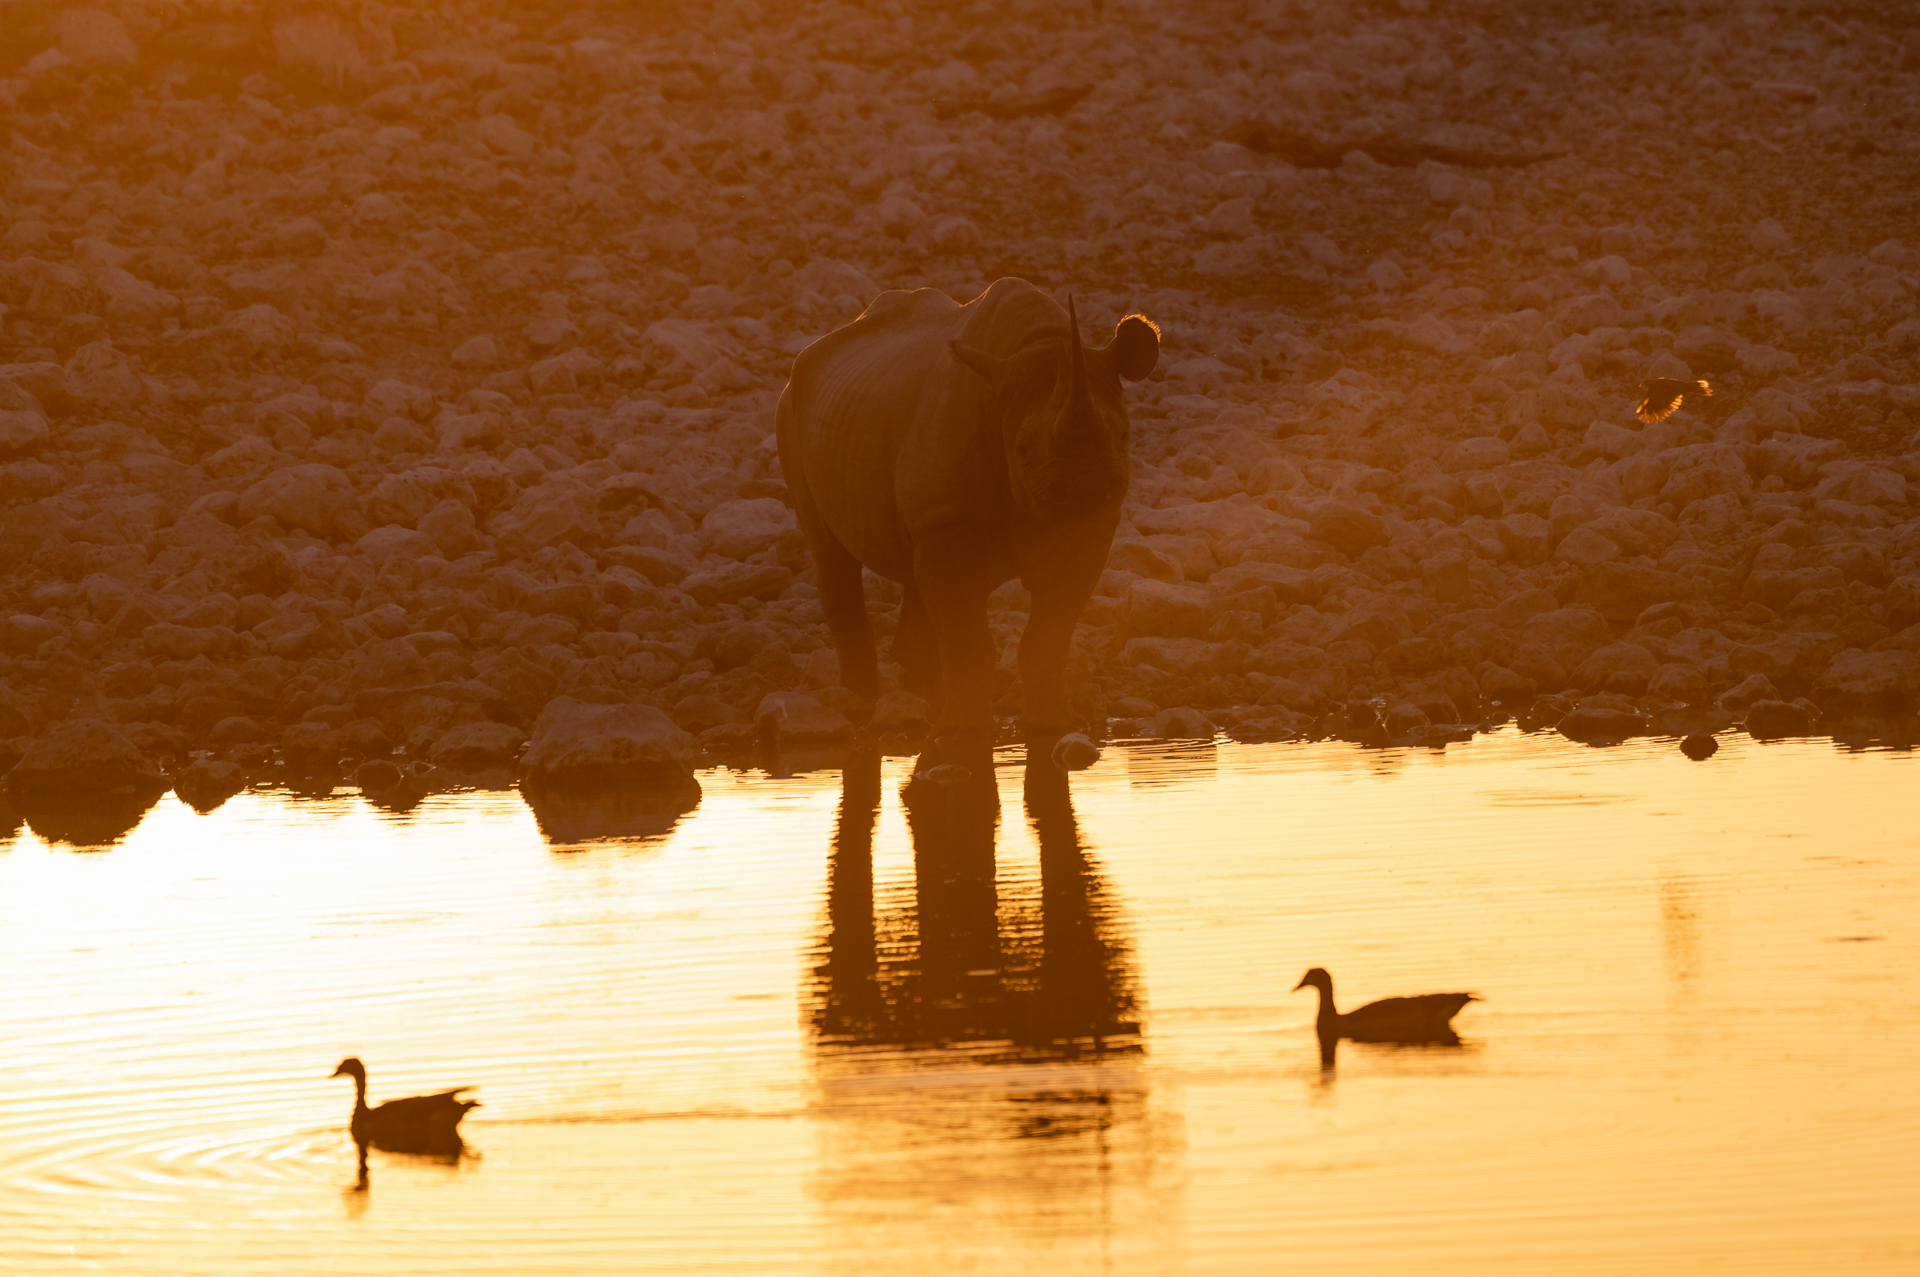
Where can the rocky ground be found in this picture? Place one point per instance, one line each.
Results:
(375, 380)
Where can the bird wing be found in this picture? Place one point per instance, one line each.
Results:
(1662, 398)
(424, 1110)
(1415, 1019)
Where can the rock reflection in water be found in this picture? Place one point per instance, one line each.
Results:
(87, 821)
(579, 813)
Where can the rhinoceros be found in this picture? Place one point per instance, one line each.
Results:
(953, 448)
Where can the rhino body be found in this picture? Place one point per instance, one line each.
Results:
(953, 448)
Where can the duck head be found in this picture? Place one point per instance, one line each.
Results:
(1315, 978)
(351, 1067)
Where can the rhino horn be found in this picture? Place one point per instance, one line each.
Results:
(1077, 390)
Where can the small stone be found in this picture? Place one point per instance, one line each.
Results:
(1347, 528)
(478, 745)
(1674, 683)
(1182, 724)
(1755, 687)
(1699, 746)
(1074, 752)
(1525, 536)
(477, 352)
(1505, 687)
(377, 776)
(1771, 720)
(1155, 608)
(1598, 725)
(946, 774)
(895, 711)
(794, 718)
(206, 783)
(1586, 547)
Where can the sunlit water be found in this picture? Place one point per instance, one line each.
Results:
(797, 1034)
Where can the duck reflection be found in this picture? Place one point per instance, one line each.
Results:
(1017, 968)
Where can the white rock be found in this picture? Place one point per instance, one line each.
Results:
(394, 397)
(91, 38)
(100, 374)
(309, 497)
(477, 352)
(737, 529)
(794, 718)
(21, 431)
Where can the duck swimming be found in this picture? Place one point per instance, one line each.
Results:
(417, 1124)
(1424, 1018)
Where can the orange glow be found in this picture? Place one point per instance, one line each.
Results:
(1687, 967)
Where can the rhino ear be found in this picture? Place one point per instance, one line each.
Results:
(980, 361)
(1135, 347)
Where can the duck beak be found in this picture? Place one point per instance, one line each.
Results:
(1296, 988)
(338, 1073)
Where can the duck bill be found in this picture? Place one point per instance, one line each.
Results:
(338, 1073)
(1296, 988)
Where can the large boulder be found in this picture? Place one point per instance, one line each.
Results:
(1869, 680)
(1619, 667)
(1705, 470)
(102, 375)
(1347, 528)
(1567, 635)
(731, 582)
(1797, 458)
(1186, 657)
(1771, 720)
(82, 756)
(796, 719)
(1596, 721)
(579, 743)
(1620, 592)
(1862, 484)
(309, 497)
(560, 509)
(737, 529)
(21, 430)
(84, 783)
(1157, 608)
(478, 746)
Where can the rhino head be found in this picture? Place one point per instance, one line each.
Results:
(1061, 418)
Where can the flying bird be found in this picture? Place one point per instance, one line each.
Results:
(1663, 395)
(1425, 1018)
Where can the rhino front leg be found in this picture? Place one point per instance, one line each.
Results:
(1058, 599)
(953, 585)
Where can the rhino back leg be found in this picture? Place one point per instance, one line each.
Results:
(916, 647)
(843, 599)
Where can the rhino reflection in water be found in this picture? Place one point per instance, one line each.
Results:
(997, 969)
(953, 448)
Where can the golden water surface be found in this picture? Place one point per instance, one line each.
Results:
(810, 1030)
